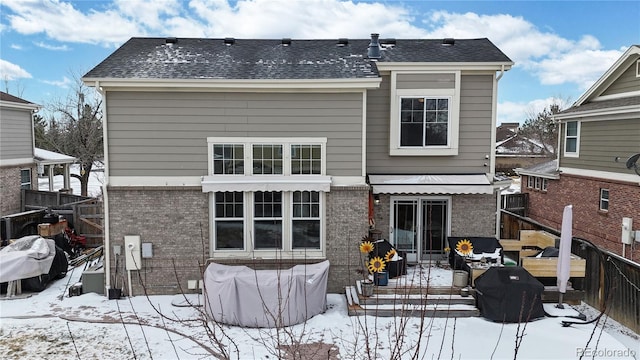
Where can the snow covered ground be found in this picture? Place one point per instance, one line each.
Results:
(52, 325)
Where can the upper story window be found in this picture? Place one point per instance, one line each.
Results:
(25, 179)
(425, 121)
(267, 159)
(267, 156)
(306, 159)
(572, 139)
(228, 159)
(604, 199)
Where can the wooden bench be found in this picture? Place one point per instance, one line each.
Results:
(530, 244)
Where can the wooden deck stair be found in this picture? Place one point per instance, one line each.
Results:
(391, 301)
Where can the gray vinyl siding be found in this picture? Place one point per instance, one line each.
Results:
(474, 139)
(601, 142)
(433, 81)
(15, 134)
(627, 82)
(165, 133)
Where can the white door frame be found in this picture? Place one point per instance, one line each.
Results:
(419, 199)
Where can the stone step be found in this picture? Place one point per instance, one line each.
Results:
(417, 299)
(387, 305)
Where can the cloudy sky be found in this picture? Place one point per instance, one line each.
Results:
(559, 47)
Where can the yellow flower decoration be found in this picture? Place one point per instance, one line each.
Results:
(376, 264)
(447, 249)
(366, 247)
(464, 247)
(389, 255)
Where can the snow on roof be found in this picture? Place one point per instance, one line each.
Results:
(46, 157)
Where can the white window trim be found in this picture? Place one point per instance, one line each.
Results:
(454, 118)
(530, 181)
(638, 68)
(287, 250)
(538, 182)
(545, 184)
(30, 183)
(577, 152)
(249, 183)
(602, 199)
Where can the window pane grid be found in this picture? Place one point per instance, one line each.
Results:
(229, 220)
(25, 179)
(228, 159)
(306, 159)
(604, 199)
(267, 159)
(424, 121)
(305, 223)
(268, 220)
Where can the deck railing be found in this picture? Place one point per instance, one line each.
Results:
(612, 282)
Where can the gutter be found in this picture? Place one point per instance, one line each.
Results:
(105, 193)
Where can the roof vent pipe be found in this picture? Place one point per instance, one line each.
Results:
(286, 41)
(448, 41)
(170, 40)
(229, 41)
(374, 47)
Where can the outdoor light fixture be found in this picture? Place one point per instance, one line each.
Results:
(376, 199)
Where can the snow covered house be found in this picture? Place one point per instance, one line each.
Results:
(595, 169)
(516, 151)
(272, 152)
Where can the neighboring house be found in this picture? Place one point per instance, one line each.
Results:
(17, 165)
(598, 134)
(270, 152)
(516, 151)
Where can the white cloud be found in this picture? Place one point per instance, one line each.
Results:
(16, 46)
(518, 112)
(548, 56)
(551, 58)
(10, 71)
(62, 22)
(65, 83)
(51, 47)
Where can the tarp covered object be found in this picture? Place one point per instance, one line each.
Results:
(509, 294)
(27, 257)
(239, 295)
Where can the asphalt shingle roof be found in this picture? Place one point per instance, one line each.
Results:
(191, 58)
(8, 97)
(605, 104)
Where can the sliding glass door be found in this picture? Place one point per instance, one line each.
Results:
(419, 226)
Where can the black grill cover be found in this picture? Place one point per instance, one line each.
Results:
(509, 294)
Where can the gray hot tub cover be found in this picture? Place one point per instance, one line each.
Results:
(239, 295)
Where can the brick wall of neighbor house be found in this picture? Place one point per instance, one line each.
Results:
(172, 219)
(175, 221)
(10, 190)
(601, 228)
(472, 215)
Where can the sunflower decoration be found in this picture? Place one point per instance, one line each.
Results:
(366, 247)
(376, 264)
(464, 247)
(388, 257)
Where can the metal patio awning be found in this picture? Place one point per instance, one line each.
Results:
(431, 184)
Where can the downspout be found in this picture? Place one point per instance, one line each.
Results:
(105, 194)
(494, 105)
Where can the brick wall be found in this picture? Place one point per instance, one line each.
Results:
(10, 194)
(601, 228)
(172, 220)
(473, 215)
(175, 221)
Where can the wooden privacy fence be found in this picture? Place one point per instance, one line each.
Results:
(611, 281)
(85, 214)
